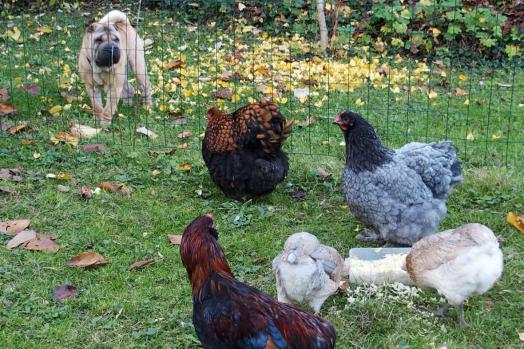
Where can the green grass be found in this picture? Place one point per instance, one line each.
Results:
(151, 308)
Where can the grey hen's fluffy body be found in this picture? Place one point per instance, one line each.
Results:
(400, 195)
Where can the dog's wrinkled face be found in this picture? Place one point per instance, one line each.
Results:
(105, 41)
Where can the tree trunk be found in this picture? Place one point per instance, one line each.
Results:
(322, 25)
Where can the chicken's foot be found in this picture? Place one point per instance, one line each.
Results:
(442, 310)
(461, 322)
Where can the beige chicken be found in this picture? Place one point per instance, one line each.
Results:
(307, 271)
(458, 263)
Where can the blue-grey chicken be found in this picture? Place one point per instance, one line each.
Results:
(399, 194)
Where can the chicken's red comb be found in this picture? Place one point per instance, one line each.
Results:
(209, 215)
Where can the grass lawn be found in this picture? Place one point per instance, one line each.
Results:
(151, 308)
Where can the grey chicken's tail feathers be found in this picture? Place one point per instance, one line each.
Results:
(448, 148)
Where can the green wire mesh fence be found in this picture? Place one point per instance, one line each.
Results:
(228, 54)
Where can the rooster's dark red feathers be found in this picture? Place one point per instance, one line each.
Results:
(228, 314)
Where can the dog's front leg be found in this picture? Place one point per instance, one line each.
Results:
(113, 96)
(96, 100)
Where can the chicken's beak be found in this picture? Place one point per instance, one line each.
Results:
(337, 120)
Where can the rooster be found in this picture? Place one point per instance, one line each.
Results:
(399, 194)
(243, 150)
(228, 314)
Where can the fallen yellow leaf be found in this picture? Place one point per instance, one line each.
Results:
(516, 221)
(64, 137)
(55, 111)
(186, 166)
(470, 136)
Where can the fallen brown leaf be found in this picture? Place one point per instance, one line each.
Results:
(69, 97)
(174, 64)
(15, 129)
(90, 148)
(516, 221)
(323, 173)
(21, 238)
(6, 108)
(64, 137)
(175, 239)
(179, 121)
(11, 174)
(85, 192)
(7, 190)
(31, 89)
(5, 125)
(14, 227)
(4, 95)
(141, 264)
(108, 186)
(64, 292)
(42, 243)
(62, 188)
(87, 260)
(460, 92)
(224, 94)
(184, 134)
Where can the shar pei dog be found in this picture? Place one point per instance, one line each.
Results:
(108, 48)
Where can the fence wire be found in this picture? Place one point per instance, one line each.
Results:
(224, 60)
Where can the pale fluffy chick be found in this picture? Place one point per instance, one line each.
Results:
(307, 271)
(458, 263)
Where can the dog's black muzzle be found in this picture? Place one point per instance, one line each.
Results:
(108, 55)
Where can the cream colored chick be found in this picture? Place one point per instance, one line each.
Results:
(307, 271)
(458, 263)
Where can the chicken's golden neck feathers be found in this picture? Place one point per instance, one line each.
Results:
(201, 254)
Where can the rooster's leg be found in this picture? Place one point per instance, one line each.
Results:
(461, 322)
(368, 235)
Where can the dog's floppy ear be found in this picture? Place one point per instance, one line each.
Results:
(120, 26)
(90, 25)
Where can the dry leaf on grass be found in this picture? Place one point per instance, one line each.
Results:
(59, 177)
(42, 243)
(64, 292)
(186, 166)
(184, 134)
(21, 238)
(62, 188)
(108, 186)
(146, 132)
(11, 174)
(83, 131)
(31, 89)
(174, 64)
(4, 95)
(5, 125)
(15, 129)
(64, 137)
(180, 121)
(6, 108)
(124, 190)
(7, 190)
(460, 92)
(343, 285)
(90, 148)
(175, 239)
(14, 227)
(224, 94)
(521, 336)
(323, 173)
(87, 260)
(516, 221)
(85, 192)
(141, 264)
